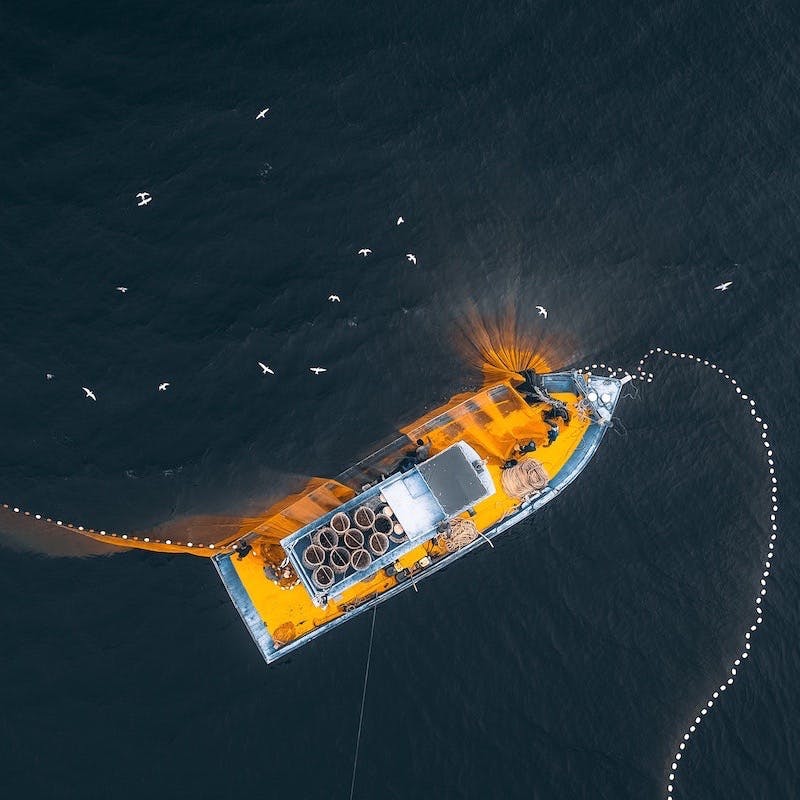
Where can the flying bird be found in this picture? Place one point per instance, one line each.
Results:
(542, 311)
(400, 220)
(89, 393)
(122, 289)
(334, 298)
(364, 251)
(49, 376)
(144, 198)
(263, 113)
(265, 369)
(411, 257)
(723, 287)
(317, 370)
(162, 387)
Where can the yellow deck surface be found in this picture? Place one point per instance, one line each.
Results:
(492, 429)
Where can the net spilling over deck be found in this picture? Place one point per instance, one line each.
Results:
(493, 418)
(319, 497)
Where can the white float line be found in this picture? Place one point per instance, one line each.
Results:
(641, 374)
(637, 374)
(763, 428)
(81, 529)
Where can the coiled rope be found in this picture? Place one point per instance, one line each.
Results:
(523, 479)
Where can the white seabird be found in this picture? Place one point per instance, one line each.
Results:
(411, 257)
(89, 393)
(265, 369)
(122, 289)
(263, 113)
(334, 298)
(162, 387)
(144, 198)
(723, 287)
(542, 311)
(400, 220)
(317, 370)
(364, 251)
(49, 376)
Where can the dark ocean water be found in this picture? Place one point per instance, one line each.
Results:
(611, 163)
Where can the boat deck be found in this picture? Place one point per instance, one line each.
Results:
(492, 422)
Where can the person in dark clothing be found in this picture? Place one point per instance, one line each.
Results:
(530, 447)
(242, 549)
(554, 413)
(510, 462)
(552, 434)
(423, 451)
(562, 413)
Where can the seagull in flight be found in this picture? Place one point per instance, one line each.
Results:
(317, 370)
(122, 289)
(89, 393)
(400, 220)
(411, 257)
(542, 311)
(162, 387)
(263, 113)
(334, 298)
(49, 376)
(723, 287)
(265, 369)
(364, 251)
(144, 198)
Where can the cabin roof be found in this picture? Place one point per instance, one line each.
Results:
(453, 480)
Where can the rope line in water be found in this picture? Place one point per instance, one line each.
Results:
(708, 704)
(363, 699)
(111, 536)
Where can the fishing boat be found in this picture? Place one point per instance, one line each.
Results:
(451, 483)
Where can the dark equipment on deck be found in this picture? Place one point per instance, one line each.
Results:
(556, 411)
(403, 575)
(242, 549)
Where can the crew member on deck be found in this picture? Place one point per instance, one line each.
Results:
(242, 549)
(554, 413)
(522, 449)
(423, 451)
(552, 434)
